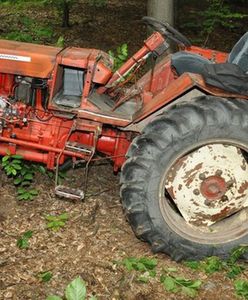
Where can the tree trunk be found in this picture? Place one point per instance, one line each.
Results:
(66, 14)
(162, 10)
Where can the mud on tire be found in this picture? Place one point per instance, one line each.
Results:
(199, 121)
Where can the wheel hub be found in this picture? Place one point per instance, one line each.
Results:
(213, 188)
(209, 184)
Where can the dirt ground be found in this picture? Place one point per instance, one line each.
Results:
(96, 234)
(94, 238)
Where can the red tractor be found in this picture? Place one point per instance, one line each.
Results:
(179, 134)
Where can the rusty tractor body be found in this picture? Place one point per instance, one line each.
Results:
(67, 104)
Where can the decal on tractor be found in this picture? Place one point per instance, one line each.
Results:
(15, 57)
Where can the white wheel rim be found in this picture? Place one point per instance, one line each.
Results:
(209, 184)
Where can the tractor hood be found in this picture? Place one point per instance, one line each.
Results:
(39, 61)
(27, 59)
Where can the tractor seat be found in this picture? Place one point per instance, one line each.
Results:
(194, 63)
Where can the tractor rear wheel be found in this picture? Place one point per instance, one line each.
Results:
(184, 186)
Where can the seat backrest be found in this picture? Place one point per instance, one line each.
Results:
(239, 53)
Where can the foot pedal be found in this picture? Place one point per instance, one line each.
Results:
(76, 147)
(66, 192)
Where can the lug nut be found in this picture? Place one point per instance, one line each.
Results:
(224, 198)
(196, 192)
(218, 173)
(229, 183)
(202, 176)
(207, 202)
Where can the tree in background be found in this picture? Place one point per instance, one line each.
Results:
(63, 7)
(162, 10)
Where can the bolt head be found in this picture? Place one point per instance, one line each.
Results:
(218, 173)
(207, 202)
(202, 176)
(224, 198)
(196, 192)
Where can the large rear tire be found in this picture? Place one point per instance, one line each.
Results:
(152, 189)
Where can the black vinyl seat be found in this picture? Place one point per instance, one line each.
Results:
(188, 62)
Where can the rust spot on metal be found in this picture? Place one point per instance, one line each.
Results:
(243, 166)
(190, 179)
(227, 211)
(196, 168)
(243, 187)
(200, 219)
(173, 171)
(195, 203)
(171, 192)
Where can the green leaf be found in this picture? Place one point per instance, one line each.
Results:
(28, 176)
(241, 288)
(28, 234)
(169, 284)
(45, 276)
(189, 291)
(195, 284)
(21, 191)
(93, 298)
(16, 161)
(42, 169)
(26, 183)
(51, 218)
(33, 192)
(16, 166)
(63, 216)
(195, 265)
(60, 42)
(152, 273)
(5, 158)
(212, 264)
(23, 242)
(5, 163)
(16, 156)
(143, 279)
(76, 290)
(17, 181)
(237, 253)
(171, 269)
(53, 297)
(234, 271)
(149, 263)
(14, 172)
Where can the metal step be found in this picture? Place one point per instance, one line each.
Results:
(69, 193)
(79, 148)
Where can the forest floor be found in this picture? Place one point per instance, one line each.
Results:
(96, 238)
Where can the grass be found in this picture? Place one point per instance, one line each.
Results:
(28, 21)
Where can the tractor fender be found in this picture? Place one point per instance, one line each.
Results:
(140, 124)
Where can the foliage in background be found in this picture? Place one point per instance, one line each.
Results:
(97, 3)
(45, 276)
(241, 288)
(215, 264)
(144, 265)
(63, 7)
(76, 290)
(56, 222)
(217, 14)
(177, 284)
(22, 175)
(23, 241)
(28, 30)
(119, 56)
